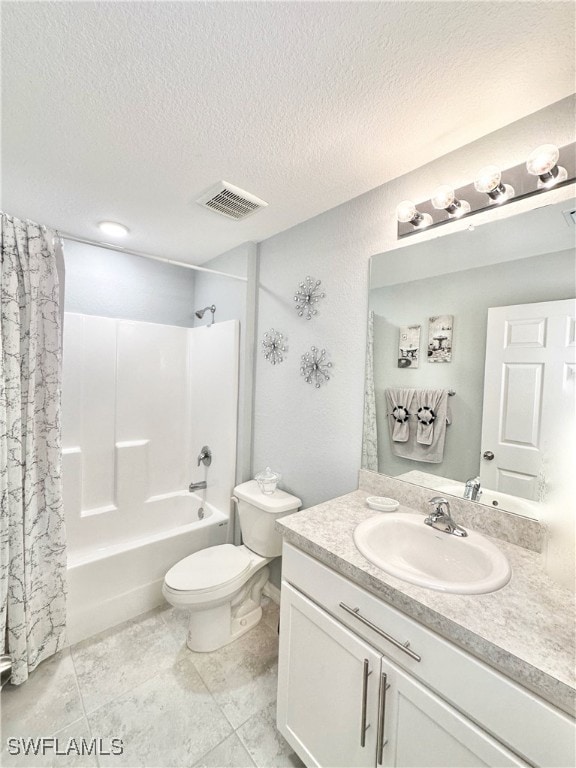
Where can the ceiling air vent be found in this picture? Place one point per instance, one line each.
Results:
(231, 201)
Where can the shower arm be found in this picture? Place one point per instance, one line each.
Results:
(200, 313)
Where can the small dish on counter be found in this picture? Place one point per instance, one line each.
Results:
(382, 503)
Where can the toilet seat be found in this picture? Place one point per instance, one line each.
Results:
(211, 574)
(209, 568)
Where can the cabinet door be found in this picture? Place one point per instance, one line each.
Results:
(327, 679)
(422, 730)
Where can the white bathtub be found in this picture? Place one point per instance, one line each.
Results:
(108, 585)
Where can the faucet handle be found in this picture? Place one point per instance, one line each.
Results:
(438, 500)
(205, 456)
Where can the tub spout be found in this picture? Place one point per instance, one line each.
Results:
(197, 486)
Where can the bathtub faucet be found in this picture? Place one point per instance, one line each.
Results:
(197, 486)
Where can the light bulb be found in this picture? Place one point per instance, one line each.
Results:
(113, 229)
(543, 159)
(407, 213)
(542, 163)
(489, 181)
(444, 199)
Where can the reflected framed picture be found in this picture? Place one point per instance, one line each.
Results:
(440, 338)
(409, 346)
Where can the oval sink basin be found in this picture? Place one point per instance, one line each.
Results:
(404, 546)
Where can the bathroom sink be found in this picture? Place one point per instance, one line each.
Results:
(404, 546)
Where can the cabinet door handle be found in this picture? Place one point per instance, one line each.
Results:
(363, 726)
(402, 646)
(380, 742)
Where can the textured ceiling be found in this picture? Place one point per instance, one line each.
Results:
(130, 111)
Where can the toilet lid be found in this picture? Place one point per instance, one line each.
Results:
(209, 568)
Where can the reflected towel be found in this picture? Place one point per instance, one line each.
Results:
(432, 453)
(430, 406)
(398, 402)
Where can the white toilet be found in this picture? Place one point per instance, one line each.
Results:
(222, 586)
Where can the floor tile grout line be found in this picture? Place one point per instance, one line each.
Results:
(233, 733)
(244, 744)
(89, 712)
(82, 702)
(107, 703)
(218, 705)
(205, 684)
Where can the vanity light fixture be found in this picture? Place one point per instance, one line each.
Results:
(113, 229)
(444, 199)
(489, 181)
(547, 167)
(543, 162)
(406, 212)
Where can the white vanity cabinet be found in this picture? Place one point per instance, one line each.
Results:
(349, 696)
(341, 703)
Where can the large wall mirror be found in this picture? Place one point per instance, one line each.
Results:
(488, 315)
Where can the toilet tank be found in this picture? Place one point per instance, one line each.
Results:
(257, 512)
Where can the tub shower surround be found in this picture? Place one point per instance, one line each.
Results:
(139, 402)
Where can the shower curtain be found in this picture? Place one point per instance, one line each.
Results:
(369, 434)
(32, 538)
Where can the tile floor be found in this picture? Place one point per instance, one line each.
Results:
(171, 707)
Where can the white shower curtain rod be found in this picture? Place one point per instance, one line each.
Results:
(120, 249)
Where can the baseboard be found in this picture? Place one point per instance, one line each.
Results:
(272, 592)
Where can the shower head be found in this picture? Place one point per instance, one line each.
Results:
(200, 312)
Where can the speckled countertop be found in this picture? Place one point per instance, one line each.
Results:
(525, 630)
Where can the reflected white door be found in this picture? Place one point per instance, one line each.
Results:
(528, 393)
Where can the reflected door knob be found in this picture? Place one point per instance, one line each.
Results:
(488, 455)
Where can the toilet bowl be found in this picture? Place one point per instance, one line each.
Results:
(222, 586)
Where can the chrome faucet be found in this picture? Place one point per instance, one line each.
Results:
(440, 518)
(472, 489)
(205, 456)
(197, 486)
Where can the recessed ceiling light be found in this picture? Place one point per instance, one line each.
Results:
(113, 229)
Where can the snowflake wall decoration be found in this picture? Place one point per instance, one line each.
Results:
(315, 367)
(306, 296)
(273, 346)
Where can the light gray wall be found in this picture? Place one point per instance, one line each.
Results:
(467, 295)
(109, 283)
(313, 437)
(235, 299)
(227, 294)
